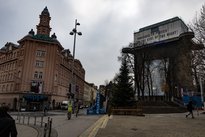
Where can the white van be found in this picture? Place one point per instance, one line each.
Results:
(64, 105)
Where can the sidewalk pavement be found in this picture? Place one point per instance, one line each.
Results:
(26, 131)
(31, 130)
(152, 125)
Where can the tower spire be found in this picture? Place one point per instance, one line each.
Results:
(43, 27)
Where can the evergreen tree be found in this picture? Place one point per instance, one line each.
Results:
(123, 94)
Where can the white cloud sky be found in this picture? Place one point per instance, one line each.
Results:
(107, 26)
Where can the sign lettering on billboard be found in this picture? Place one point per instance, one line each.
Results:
(161, 31)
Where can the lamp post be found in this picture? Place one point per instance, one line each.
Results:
(74, 32)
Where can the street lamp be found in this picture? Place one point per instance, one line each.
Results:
(74, 32)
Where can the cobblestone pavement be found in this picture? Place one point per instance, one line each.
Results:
(154, 125)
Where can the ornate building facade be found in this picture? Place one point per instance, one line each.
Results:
(38, 70)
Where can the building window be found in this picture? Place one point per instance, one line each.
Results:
(7, 87)
(12, 87)
(3, 88)
(19, 74)
(9, 77)
(39, 63)
(56, 77)
(38, 75)
(37, 86)
(40, 53)
(20, 63)
(6, 77)
(14, 54)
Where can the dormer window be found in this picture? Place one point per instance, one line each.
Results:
(10, 48)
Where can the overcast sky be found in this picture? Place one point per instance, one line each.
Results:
(107, 26)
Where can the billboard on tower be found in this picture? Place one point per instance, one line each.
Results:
(161, 31)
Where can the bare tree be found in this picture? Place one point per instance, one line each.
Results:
(198, 56)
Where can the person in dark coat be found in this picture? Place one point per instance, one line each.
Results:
(7, 124)
(77, 109)
(190, 108)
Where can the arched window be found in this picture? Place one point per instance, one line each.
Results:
(9, 77)
(6, 77)
(7, 88)
(19, 74)
(3, 88)
(12, 87)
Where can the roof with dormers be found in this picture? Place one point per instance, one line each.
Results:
(8, 46)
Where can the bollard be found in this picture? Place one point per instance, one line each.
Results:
(28, 120)
(23, 118)
(34, 120)
(41, 121)
(50, 127)
(48, 120)
(19, 119)
(45, 130)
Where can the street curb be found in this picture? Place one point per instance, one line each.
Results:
(93, 129)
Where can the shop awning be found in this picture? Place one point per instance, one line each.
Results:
(35, 97)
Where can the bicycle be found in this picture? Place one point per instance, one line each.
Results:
(69, 115)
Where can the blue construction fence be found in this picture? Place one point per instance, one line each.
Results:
(196, 98)
(97, 108)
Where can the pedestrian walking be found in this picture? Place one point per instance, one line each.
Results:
(77, 109)
(45, 110)
(34, 108)
(70, 109)
(7, 124)
(190, 108)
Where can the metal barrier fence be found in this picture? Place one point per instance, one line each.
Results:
(36, 120)
(48, 128)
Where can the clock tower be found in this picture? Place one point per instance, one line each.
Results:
(43, 28)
